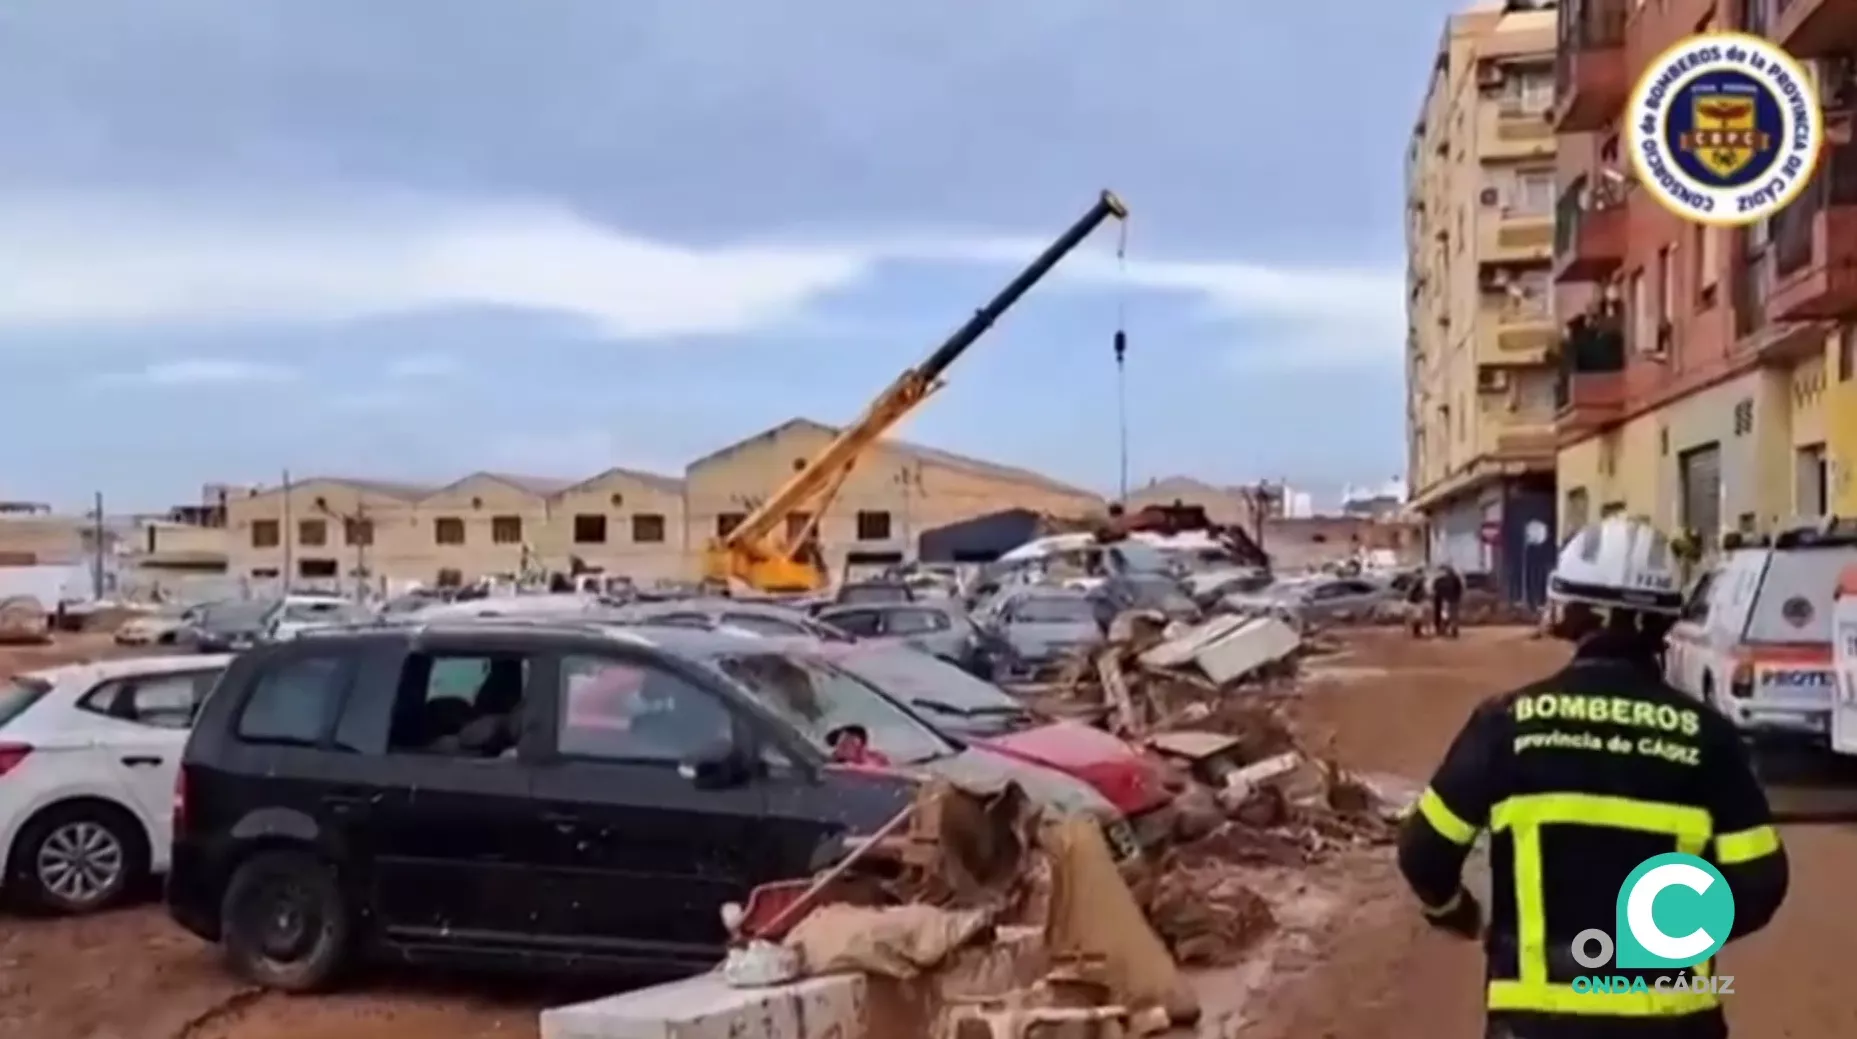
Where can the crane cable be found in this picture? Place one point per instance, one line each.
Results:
(1121, 351)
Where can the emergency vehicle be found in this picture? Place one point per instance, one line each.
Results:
(1844, 657)
(1754, 639)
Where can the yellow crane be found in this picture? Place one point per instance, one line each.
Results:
(761, 552)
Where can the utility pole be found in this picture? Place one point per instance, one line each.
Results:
(909, 478)
(96, 552)
(284, 537)
(363, 534)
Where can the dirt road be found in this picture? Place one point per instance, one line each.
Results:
(1380, 974)
(1374, 973)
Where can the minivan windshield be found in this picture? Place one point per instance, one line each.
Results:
(819, 699)
(19, 693)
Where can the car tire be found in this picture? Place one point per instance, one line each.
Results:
(284, 922)
(77, 858)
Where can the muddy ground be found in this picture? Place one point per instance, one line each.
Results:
(1356, 965)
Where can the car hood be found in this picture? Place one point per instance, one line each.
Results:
(983, 768)
(1111, 767)
(1030, 637)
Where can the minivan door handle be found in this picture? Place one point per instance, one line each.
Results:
(345, 804)
(141, 760)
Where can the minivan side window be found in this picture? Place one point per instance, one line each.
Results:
(861, 623)
(293, 700)
(622, 710)
(916, 622)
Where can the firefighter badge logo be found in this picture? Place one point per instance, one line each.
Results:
(1725, 129)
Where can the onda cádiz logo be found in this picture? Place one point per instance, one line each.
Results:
(1674, 911)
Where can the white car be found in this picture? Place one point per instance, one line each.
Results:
(89, 754)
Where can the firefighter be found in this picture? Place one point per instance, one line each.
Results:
(1577, 780)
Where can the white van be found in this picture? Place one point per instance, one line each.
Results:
(1754, 639)
(1844, 658)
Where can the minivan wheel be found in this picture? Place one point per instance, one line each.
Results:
(285, 922)
(77, 858)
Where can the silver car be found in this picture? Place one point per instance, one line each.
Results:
(1031, 634)
(938, 627)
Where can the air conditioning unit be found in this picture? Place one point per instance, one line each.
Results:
(1489, 196)
(1492, 380)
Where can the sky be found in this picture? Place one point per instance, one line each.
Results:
(416, 239)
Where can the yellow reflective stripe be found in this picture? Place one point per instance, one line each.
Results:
(1686, 823)
(1524, 815)
(1448, 824)
(1561, 999)
(1530, 908)
(1445, 909)
(1746, 845)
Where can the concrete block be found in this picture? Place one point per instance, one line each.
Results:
(706, 1007)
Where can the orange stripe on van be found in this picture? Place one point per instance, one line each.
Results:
(1847, 582)
(1814, 654)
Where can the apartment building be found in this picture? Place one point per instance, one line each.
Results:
(1706, 375)
(1480, 188)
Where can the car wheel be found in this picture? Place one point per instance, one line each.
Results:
(167, 639)
(285, 923)
(78, 858)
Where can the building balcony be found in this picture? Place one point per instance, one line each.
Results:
(1516, 236)
(1508, 131)
(1527, 442)
(1813, 28)
(1517, 334)
(1814, 246)
(1589, 392)
(1590, 229)
(1591, 80)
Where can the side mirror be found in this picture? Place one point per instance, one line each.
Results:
(719, 766)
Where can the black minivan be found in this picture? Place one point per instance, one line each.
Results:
(508, 794)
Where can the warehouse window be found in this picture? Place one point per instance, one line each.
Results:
(648, 528)
(506, 530)
(316, 568)
(264, 534)
(873, 525)
(448, 530)
(727, 522)
(312, 532)
(590, 529)
(358, 531)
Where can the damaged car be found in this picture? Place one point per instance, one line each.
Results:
(534, 796)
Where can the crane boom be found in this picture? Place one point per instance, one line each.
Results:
(760, 552)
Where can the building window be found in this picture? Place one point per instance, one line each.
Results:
(727, 522)
(1611, 508)
(873, 525)
(1666, 285)
(506, 530)
(1809, 482)
(590, 529)
(448, 530)
(312, 532)
(358, 531)
(1643, 318)
(264, 573)
(1534, 193)
(796, 524)
(264, 534)
(1708, 262)
(1847, 353)
(316, 568)
(648, 529)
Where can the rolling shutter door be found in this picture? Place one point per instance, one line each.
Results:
(1700, 473)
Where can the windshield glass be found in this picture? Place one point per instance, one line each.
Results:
(913, 677)
(1794, 602)
(17, 694)
(1053, 610)
(235, 615)
(877, 593)
(819, 699)
(325, 612)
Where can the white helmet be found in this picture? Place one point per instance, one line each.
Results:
(1618, 562)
